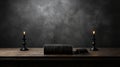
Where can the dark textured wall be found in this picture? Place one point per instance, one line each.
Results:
(59, 22)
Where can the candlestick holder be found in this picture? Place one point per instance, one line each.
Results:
(24, 48)
(93, 48)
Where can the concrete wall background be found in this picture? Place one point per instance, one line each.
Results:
(59, 22)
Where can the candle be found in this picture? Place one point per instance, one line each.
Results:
(93, 36)
(24, 33)
(93, 32)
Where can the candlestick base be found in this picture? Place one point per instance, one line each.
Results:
(24, 49)
(93, 49)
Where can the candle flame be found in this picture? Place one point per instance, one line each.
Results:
(24, 33)
(93, 32)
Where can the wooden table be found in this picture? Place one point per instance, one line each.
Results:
(13, 57)
(9, 52)
(39, 53)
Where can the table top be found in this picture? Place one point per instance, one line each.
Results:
(39, 52)
(36, 56)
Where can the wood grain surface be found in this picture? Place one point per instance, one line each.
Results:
(8, 52)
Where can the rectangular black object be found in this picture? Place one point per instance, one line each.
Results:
(81, 51)
(61, 50)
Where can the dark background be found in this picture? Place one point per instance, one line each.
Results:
(59, 22)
